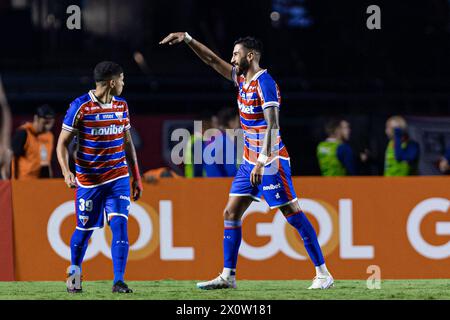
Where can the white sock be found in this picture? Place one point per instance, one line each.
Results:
(322, 270)
(229, 273)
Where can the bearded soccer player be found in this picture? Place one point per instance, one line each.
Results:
(259, 104)
(100, 121)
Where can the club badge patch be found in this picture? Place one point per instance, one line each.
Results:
(119, 115)
(83, 219)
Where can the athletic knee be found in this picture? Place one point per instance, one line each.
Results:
(298, 220)
(119, 229)
(81, 237)
(231, 215)
(118, 222)
(291, 209)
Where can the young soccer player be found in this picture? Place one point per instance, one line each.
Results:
(101, 122)
(266, 166)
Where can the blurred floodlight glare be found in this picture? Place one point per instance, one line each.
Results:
(275, 16)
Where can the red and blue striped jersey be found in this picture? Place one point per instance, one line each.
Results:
(259, 93)
(101, 128)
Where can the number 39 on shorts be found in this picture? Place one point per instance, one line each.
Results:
(85, 205)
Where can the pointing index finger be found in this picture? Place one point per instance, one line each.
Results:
(166, 39)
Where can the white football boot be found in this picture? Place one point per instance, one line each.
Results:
(322, 282)
(217, 283)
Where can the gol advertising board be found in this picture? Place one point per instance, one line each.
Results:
(399, 225)
(6, 238)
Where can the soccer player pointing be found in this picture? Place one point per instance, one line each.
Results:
(259, 103)
(101, 122)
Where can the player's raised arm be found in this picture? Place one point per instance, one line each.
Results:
(62, 152)
(202, 51)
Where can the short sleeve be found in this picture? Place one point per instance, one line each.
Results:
(73, 115)
(269, 93)
(127, 119)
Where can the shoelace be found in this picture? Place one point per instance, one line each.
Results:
(220, 276)
(319, 277)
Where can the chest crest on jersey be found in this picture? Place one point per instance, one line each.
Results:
(119, 115)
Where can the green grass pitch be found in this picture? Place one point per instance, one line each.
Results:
(247, 290)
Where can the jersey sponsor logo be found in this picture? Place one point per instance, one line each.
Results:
(124, 198)
(112, 129)
(109, 116)
(272, 187)
(246, 109)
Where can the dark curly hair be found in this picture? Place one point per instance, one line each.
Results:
(106, 70)
(250, 43)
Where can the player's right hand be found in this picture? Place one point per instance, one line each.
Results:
(173, 38)
(257, 174)
(69, 179)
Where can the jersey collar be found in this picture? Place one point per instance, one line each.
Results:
(103, 105)
(255, 77)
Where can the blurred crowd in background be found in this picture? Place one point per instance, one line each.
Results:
(28, 154)
(341, 84)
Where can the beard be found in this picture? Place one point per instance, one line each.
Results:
(243, 67)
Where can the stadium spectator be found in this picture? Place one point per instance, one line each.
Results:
(224, 150)
(444, 163)
(402, 153)
(198, 141)
(33, 145)
(335, 155)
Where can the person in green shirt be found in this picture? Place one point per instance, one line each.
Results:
(198, 141)
(402, 153)
(192, 169)
(335, 155)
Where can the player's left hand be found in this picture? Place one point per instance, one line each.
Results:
(137, 189)
(173, 38)
(257, 174)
